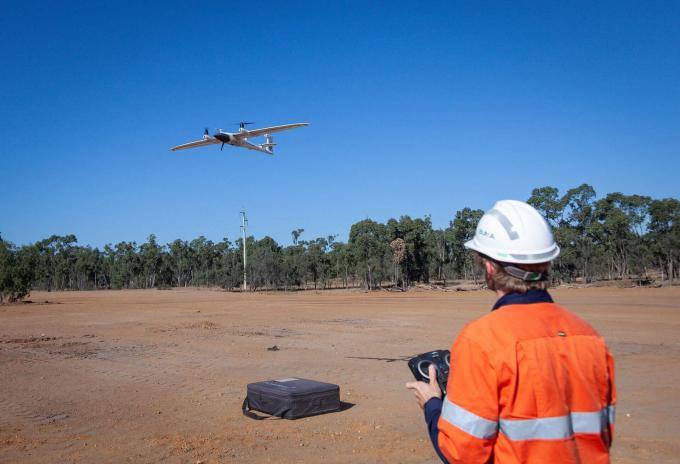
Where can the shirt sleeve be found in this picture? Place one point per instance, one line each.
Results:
(611, 407)
(432, 410)
(468, 424)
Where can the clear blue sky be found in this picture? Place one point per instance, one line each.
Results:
(414, 109)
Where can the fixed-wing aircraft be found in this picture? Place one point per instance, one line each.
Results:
(240, 138)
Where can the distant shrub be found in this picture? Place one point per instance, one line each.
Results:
(17, 271)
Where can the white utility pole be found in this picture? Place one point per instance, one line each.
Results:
(244, 224)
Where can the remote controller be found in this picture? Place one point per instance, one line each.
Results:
(420, 365)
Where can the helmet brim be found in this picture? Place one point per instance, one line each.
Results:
(533, 257)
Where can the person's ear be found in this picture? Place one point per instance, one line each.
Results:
(490, 270)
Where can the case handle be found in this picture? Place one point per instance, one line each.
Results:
(245, 408)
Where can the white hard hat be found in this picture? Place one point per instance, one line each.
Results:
(514, 232)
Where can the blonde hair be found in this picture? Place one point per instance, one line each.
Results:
(503, 281)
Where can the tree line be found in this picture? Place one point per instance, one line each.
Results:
(614, 237)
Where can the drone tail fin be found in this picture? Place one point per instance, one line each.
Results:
(269, 144)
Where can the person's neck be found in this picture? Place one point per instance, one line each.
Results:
(501, 293)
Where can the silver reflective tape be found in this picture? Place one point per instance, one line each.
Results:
(611, 414)
(505, 222)
(550, 428)
(589, 422)
(556, 428)
(468, 422)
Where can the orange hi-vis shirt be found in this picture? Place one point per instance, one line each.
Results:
(529, 383)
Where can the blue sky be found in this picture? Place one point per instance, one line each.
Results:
(414, 108)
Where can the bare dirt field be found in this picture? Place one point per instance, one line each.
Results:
(159, 376)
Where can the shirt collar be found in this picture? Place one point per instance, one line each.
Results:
(531, 296)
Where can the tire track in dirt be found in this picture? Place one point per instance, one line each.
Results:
(18, 358)
(21, 356)
(130, 364)
(10, 411)
(35, 408)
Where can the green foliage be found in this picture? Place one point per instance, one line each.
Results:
(16, 271)
(264, 263)
(369, 246)
(615, 237)
(664, 235)
(417, 234)
(454, 261)
(546, 200)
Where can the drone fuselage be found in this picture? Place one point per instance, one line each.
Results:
(230, 139)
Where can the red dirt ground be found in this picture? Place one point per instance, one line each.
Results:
(159, 376)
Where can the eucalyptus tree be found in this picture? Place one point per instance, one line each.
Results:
(296, 235)
(54, 269)
(127, 266)
(369, 245)
(579, 209)
(230, 265)
(461, 229)
(264, 263)
(318, 262)
(618, 228)
(342, 261)
(664, 230)
(416, 236)
(151, 256)
(205, 259)
(439, 255)
(547, 201)
(17, 271)
(181, 262)
(87, 267)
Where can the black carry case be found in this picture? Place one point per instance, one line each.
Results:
(291, 398)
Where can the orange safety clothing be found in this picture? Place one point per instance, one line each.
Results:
(529, 383)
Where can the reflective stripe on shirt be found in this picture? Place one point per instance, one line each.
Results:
(468, 422)
(548, 428)
(556, 428)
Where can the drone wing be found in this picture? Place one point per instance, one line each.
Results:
(198, 143)
(271, 130)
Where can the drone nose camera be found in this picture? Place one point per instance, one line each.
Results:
(441, 359)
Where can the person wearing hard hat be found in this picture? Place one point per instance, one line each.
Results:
(529, 382)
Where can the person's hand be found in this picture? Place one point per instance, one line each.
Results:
(426, 391)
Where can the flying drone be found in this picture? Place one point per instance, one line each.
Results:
(240, 138)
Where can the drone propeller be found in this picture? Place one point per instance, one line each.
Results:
(206, 132)
(243, 124)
